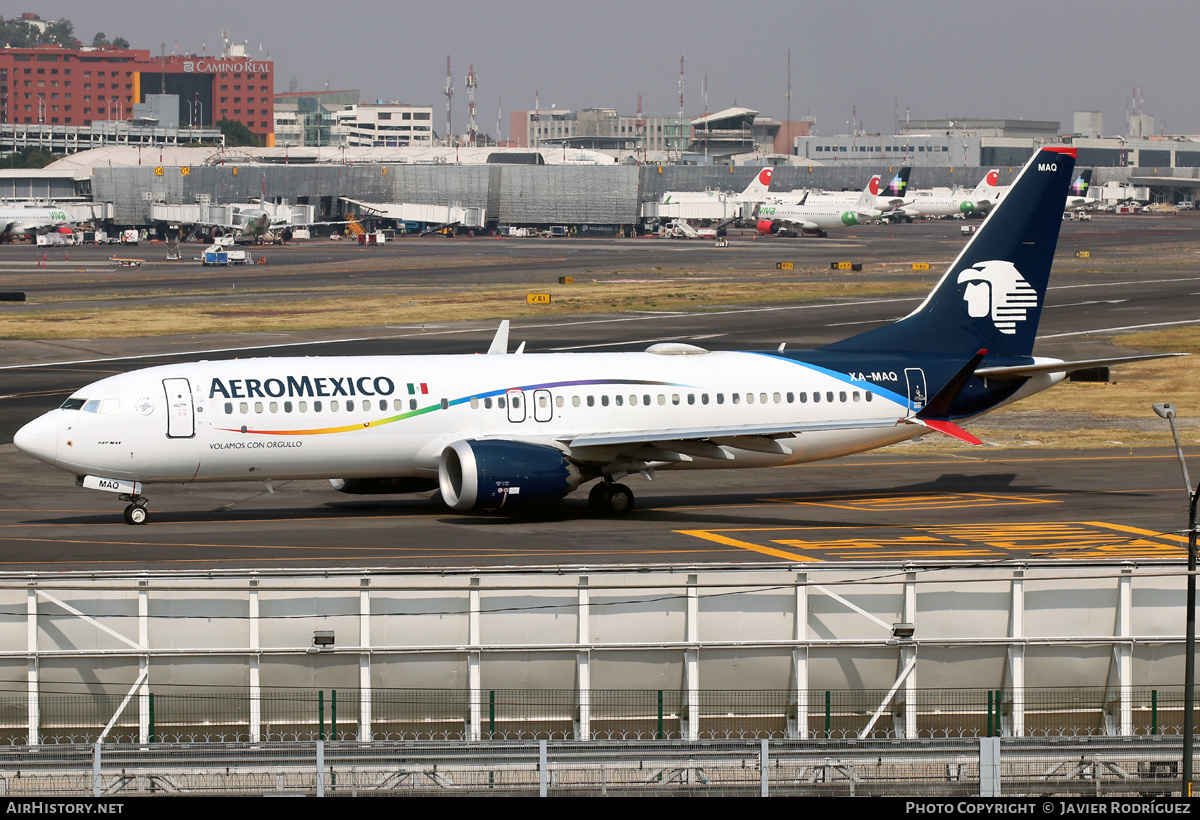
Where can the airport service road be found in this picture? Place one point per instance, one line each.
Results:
(895, 505)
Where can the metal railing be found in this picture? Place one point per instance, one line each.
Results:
(991, 767)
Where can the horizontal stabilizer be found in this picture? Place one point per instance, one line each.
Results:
(1021, 371)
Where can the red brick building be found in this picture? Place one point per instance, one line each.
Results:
(61, 86)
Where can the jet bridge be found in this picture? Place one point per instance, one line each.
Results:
(431, 215)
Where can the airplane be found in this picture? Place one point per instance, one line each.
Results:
(27, 221)
(803, 218)
(978, 201)
(522, 430)
(886, 197)
(756, 191)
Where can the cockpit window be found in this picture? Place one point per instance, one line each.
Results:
(92, 406)
(73, 404)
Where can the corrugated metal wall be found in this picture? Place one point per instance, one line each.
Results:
(512, 194)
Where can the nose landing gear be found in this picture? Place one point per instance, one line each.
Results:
(136, 512)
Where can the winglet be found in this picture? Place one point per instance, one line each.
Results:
(499, 344)
(949, 428)
(938, 407)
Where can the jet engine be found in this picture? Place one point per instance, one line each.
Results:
(487, 474)
(766, 226)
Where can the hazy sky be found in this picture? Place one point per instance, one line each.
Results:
(1013, 58)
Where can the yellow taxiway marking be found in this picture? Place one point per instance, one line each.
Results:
(745, 545)
(935, 501)
(1067, 539)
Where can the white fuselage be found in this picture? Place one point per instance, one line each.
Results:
(366, 417)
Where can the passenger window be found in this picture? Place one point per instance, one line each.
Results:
(383, 404)
(349, 405)
(591, 401)
(274, 407)
(397, 404)
(803, 398)
(842, 396)
(574, 401)
(855, 395)
(228, 408)
(829, 395)
(737, 397)
(316, 407)
(445, 404)
(487, 404)
(749, 398)
(412, 404)
(632, 401)
(558, 401)
(500, 402)
(762, 398)
(691, 398)
(816, 396)
(790, 398)
(720, 398)
(516, 402)
(619, 399)
(287, 407)
(258, 407)
(303, 407)
(869, 395)
(243, 408)
(674, 398)
(646, 400)
(474, 404)
(604, 400)
(333, 406)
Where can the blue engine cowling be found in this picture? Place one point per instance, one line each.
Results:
(484, 474)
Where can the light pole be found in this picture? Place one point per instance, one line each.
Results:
(1167, 411)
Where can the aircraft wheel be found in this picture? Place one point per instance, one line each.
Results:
(598, 498)
(135, 514)
(620, 500)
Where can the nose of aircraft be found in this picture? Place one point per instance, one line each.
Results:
(39, 438)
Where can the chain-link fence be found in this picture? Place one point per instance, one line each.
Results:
(569, 714)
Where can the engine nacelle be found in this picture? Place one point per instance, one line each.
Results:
(484, 474)
(383, 486)
(766, 226)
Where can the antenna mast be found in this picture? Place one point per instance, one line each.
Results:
(471, 83)
(449, 92)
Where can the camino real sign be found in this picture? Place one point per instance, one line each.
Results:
(216, 66)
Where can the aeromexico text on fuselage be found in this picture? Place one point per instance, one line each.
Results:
(332, 387)
(309, 387)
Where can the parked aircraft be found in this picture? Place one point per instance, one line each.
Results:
(887, 196)
(1077, 196)
(978, 201)
(27, 221)
(756, 191)
(502, 430)
(801, 217)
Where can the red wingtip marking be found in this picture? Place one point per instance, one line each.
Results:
(951, 429)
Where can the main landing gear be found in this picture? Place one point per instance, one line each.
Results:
(609, 499)
(135, 513)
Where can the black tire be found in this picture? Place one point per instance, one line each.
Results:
(620, 500)
(135, 514)
(598, 498)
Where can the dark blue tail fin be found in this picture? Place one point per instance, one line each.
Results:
(992, 295)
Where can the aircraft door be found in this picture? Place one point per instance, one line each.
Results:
(917, 395)
(516, 405)
(181, 418)
(543, 405)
